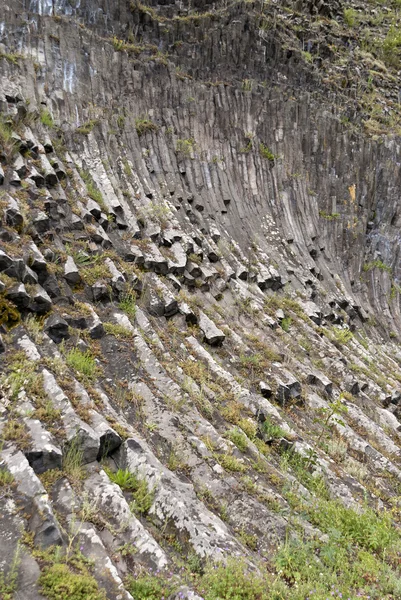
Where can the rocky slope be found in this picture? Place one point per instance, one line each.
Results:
(199, 300)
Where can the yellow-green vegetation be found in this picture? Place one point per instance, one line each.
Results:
(87, 127)
(93, 191)
(119, 331)
(94, 272)
(271, 430)
(8, 580)
(377, 264)
(329, 216)
(230, 463)
(266, 152)
(11, 57)
(6, 478)
(60, 581)
(142, 496)
(359, 558)
(144, 125)
(186, 146)
(46, 118)
(238, 438)
(9, 313)
(127, 303)
(66, 574)
(82, 362)
(15, 431)
(73, 462)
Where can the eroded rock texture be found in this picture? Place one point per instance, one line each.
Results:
(199, 276)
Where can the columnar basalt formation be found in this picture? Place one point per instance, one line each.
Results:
(199, 291)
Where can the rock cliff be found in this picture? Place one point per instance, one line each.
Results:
(199, 299)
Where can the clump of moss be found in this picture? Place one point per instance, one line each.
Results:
(58, 581)
(9, 313)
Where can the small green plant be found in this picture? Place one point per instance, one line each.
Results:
(12, 57)
(230, 463)
(15, 431)
(87, 127)
(6, 478)
(8, 145)
(119, 331)
(233, 581)
(186, 146)
(144, 125)
(93, 191)
(377, 264)
(143, 497)
(266, 152)
(350, 16)
(73, 462)
(238, 438)
(285, 324)
(342, 336)
(46, 118)
(151, 587)
(247, 85)
(328, 216)
(330, 415)
(94, 272)
(58, 582)
(127, 303)
(8, 581)
(126, 480)
(271, 430)
(127, 168)
(82, 362)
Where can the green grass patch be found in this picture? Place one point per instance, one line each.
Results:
(87, 127)
(127, 303)
(119, 331)
(238, 438)
(377, 264)
(46, 118)
(144, 125)
(82, 362)
(142, 496)
(266, 152)
(59, 582)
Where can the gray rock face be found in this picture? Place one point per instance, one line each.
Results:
(43, 522)
(71, 273)
(212, 334)
(42, 455)
(5, 261)
(242, 207)
(56, 328)
(207, 534)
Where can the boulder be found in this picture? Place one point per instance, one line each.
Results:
(71, 273)
(212, 334)
(56, 328)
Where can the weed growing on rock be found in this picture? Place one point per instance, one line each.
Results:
(238, 438)
(266, 152)
(73, 462)
(87, 127)
(142, 496)
(6, 479)
(127, 303)
(271, 430)
(119, 331)
(144, 125)
(82, 362)
(59, 581)
(46, 118)
(230, 463)
(8, 581)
